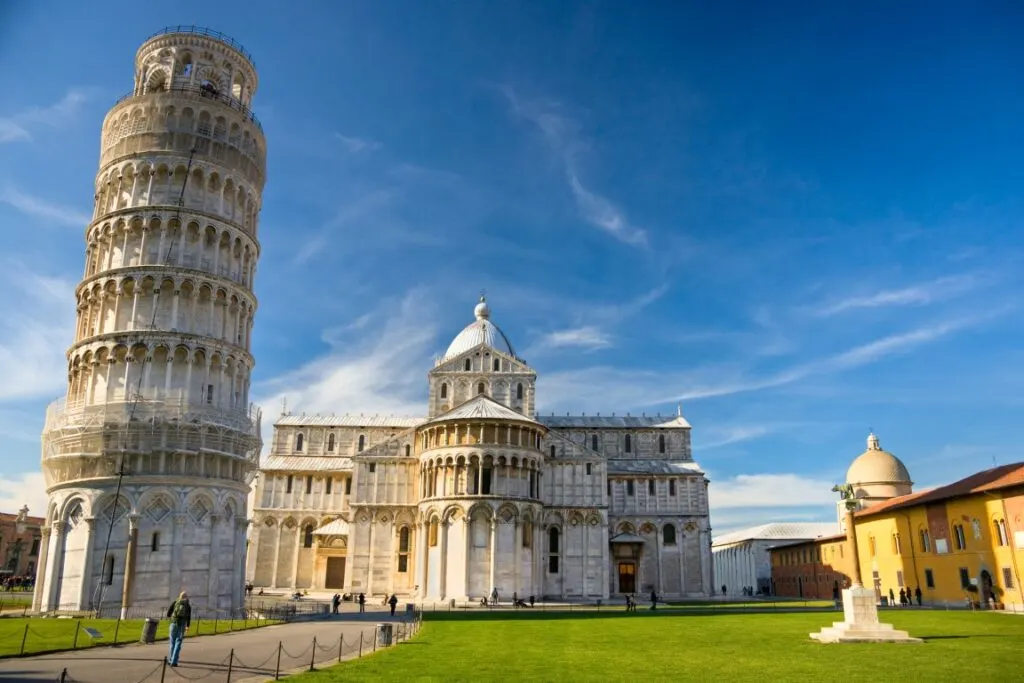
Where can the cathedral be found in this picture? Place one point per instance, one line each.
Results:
(482, 495)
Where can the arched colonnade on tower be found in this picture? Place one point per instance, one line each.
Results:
(182, 304)
(202, 375)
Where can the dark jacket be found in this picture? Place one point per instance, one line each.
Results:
(184, 615)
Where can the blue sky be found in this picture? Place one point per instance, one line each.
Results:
(799, 221)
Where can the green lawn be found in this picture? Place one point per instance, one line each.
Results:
(645, 646)
(47, 635)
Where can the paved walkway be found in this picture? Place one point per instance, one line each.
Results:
(206, 658)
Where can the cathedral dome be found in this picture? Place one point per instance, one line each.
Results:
(878, 474)
(480, 331)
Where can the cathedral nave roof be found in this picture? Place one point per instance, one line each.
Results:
(348, 421)
(306, 463)
(614, 421)
(623, 466)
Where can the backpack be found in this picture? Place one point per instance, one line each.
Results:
(176, 612)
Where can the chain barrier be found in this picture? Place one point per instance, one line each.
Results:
(344, 648)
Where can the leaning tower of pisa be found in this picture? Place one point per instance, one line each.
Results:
(149, 457)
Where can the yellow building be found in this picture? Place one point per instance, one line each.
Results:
(956, 542)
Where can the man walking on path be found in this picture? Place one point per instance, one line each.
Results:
(394, 603)
(180, 614)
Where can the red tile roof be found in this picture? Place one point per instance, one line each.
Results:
(1002, 477)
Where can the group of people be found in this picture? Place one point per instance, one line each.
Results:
(631, 602)
(18, 583)
(360, 599)
(906, 599)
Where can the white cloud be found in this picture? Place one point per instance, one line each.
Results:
(36, 324)
(382, 375)
(561, 134)
(588, 337)
(26, 488)
(40, 208)
(18, 126)
(771, 491)
(357, 145)
(920, 294)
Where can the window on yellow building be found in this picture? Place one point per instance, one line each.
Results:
(959, 539)
(871, 545)
(965, 578)
(1001, 536)
(896, 544)
(899, 579)
(926, 542)
(929, 579)
(1007, 578)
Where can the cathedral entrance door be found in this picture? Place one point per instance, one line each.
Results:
(335, 577)
(627, 577)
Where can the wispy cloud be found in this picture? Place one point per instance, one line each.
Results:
(589, 338)
(378, 371)
(632, 388)
(36, 323)
(357, 145)
(920, 294)
(561, 134)
(18, 126)
(41, 208)
(591, 324)
(731, 434)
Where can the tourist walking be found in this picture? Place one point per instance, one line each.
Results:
(362, 603)
(917, 594)
(335, 603)
(394, 603)
(180, 614)
(654, 600)
(892, 598)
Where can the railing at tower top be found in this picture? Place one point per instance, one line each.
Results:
(203, 91)
(209, 33)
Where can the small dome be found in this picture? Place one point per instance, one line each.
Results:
(480, 331)
(875, 466)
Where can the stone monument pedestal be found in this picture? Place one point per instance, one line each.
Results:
(860, 624)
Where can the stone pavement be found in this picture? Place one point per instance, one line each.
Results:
(206, 658)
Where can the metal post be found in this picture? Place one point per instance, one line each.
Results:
(312, 657)
(117, 627)
(360, 641)
(231, 663)
(64, 675)
(277, 671)
(24, 637)
(163, 670)
(341, 647)
(214, 624)
(78, 627)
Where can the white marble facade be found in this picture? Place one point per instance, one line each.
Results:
(482, 494)
(158, 373)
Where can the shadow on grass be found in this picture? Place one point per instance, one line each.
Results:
(973, 635)
(535, 614)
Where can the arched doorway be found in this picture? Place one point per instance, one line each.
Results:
(987, 590)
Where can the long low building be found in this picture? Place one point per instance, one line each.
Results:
(955, 543)
(741, 558)
(482, 494)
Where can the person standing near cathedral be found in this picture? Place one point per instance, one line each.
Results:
(180, 614)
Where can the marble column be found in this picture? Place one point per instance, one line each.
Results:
(129, 564)
(42, 585)
(84, 597)
(493, 566)
(442, 590)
